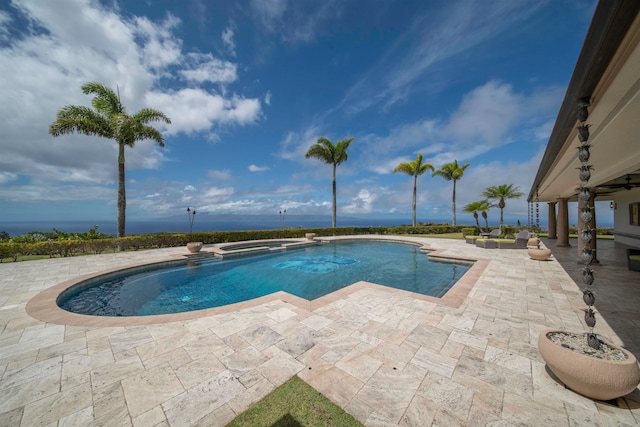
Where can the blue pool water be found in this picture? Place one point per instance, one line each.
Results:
(308, 273)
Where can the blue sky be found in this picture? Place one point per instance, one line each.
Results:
(250, 86)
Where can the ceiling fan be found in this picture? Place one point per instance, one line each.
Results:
(628, 185)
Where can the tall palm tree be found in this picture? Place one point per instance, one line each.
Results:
(479, 206)
(109, 119)
(452, 172)
(501, 193)
(414, 168)
(335, 155)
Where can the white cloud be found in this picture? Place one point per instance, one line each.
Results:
(255, 168)
(485, 115)
(66, 44)
(361, 204)
(5, 19)
(196, 110)
(207, 68)
(48, 191)
(292, 20)
(7, 177)
(267, 98)
(160, 48)
(489, 116)
(296, 144)
(227, 39)
(221, 175)
(269, 13)
(431, 39)
(215, 194)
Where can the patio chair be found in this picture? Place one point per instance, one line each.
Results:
(520, 242)
(471, 239)
(633, 259)
(493, 234)
(486, 243)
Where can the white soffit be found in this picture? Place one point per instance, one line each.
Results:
(614, 117)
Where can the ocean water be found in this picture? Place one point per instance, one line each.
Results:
(150, 227)
(248, 222)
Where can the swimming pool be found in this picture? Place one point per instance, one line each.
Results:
(308, 273)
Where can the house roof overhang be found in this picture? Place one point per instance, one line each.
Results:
(607, 74)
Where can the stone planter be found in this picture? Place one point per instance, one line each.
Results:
(539, 254)
(590, 376)
(194, 247)
(310, 236)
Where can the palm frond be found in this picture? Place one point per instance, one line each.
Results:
(105, 100)
(148, 115)
(83, 120)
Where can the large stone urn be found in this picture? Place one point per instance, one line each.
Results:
(194, 247)
(593, 377)
(539, 254)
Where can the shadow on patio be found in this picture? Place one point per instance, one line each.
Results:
(617, 289)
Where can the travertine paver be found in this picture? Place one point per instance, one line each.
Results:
(387, 357)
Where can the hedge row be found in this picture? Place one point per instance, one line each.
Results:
(64, 248)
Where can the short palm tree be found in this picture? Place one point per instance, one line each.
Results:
(501, 193)
(109, 119)
(484, 207)
(479, 206)
(335, 155)
(414, 168)
(472, 208)
(452, 172)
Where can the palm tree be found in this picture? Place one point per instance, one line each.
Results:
(484, 208)
(414, 169)
(472, 208)
(479, 206)
(452, 172)
(500, 193)
(324, 150)
(109, 119)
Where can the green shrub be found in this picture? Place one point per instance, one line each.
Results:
(508, 231)
(470, 231)
(62, 244)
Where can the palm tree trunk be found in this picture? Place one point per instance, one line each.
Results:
(475, 215)
(501, 205)
(122, 198)
(413, 206)
(486, 221)
(333, 218)
(454, 203)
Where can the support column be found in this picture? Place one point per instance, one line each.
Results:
(552, 220)
(563, 223)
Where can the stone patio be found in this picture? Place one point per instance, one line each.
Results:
(387, 357)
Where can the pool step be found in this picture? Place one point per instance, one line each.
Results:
(199, 256)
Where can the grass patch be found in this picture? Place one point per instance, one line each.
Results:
(458, 236)
(294, 403)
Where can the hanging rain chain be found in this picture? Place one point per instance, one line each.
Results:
(537, 211)
(586, 233)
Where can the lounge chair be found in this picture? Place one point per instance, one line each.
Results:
(493, 234)
(471, 239)
(520, 242)
(486, 243)
(633, 259)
